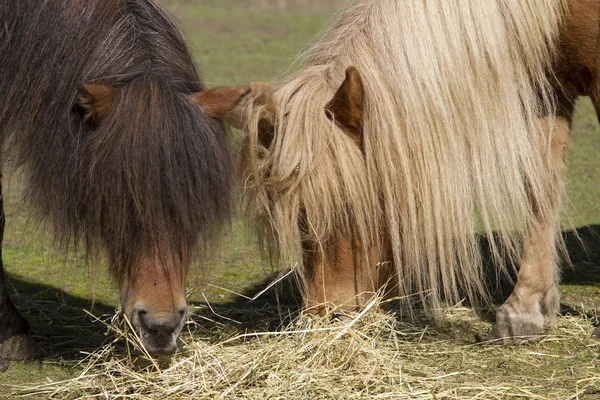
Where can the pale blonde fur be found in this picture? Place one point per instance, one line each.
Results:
(452, 143)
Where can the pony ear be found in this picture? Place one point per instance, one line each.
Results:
(96, 100)
(219, 102)
(346, 107)
(228, 103)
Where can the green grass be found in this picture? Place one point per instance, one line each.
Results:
(583, 187)
(256, 40)
(240, 41)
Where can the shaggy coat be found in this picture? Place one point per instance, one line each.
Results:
(449, 148)
(97, 108)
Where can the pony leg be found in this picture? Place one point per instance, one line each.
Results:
(536, 294)
(16, 342)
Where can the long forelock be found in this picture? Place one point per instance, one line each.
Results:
(162, 181)
(308, 172)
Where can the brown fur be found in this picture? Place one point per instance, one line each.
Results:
(340, 278)
(96, 100)
(217, 102)
(578, 65)
(156, 300)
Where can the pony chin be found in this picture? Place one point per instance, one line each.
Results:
(153, 299)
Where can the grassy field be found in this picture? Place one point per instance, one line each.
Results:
(256, 40)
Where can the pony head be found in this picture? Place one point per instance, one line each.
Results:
(305, 178)
(154, 181)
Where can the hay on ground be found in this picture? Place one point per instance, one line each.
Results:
(373, 355)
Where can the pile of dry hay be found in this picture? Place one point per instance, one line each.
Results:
(372, 356)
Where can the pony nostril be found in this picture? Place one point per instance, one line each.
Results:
(182, 312)
(140, 315)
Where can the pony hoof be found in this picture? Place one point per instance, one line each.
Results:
(3, 366)
(514, 325)
(20, 347)
(507, 334)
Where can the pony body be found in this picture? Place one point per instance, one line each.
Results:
(445, 141)
(97, 107)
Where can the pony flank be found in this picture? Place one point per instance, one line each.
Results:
(97, 107)
(447, 147)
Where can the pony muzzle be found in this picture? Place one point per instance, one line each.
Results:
(153, 299)
(158, 331)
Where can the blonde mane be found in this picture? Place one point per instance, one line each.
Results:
(452, 140)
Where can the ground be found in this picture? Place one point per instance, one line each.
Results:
(256, 40)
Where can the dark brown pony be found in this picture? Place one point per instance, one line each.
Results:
(98, 106)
